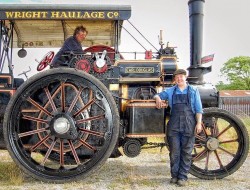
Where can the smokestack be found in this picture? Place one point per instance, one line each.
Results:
(196, 70)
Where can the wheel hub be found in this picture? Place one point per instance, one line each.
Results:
(63, 126)
(83, 65)
(132, 148)
(212, 144)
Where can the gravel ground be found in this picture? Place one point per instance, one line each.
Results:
(150, 170)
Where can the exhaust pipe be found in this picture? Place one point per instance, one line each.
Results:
(196, 70)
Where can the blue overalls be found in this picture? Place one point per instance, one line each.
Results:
(180, 133)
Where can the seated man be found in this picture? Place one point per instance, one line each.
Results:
(71, 44)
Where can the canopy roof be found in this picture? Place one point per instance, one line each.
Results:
(49, 25)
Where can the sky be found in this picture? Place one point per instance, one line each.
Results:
(226, 31)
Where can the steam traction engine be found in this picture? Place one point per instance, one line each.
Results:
(63, 124)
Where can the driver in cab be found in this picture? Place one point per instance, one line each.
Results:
(71, 44)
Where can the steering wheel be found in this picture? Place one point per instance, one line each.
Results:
(45, 61)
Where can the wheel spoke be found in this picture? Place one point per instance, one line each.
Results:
(90, 94)
(74, 152)
(35, 119)
(29, 110)
(204, 129)
(200, 138)
(39, 143)
(229, 141)
(38, 106)
(50, 99)
(90, 119)
(224, 131)
(62, 96)
(207, 160)
(32, 132)
(231, 154)
(195, 151)
(100, 106)
(215, 128)
(92, 132)
(218, 159)
(200, 155)
(53, 96)
(56, 92)
(48, 152)
(87, 145)
(75, 100)
(197, 145)
(61, 153)
(84, 107)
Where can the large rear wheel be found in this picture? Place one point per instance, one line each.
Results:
(222, 147)
(61, 125)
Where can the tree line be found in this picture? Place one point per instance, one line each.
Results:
(237, 72)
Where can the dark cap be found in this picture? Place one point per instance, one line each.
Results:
(180, 71)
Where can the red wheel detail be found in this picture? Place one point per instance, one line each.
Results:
(45, 61)
(101, 48)
(83, 65)
(100, 70)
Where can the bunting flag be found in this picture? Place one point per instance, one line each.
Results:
(207, 58)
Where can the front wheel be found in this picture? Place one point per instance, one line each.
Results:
(61, 125)
(222, 147)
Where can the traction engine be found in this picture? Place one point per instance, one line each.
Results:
(62, 124)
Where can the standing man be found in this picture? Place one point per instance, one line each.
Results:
(185, 120)
(73, 44)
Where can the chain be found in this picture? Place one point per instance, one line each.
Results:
(154, 145)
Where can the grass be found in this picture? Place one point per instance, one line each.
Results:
(10, 174)
(149, 172)
(131, 178)
(246, 121)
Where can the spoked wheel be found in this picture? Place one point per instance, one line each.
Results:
(61, 125)
(45, 61)
(222, 147)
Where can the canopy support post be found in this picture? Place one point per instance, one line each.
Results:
(6, 46)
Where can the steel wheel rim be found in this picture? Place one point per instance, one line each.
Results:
(225, 140)
(44, 166)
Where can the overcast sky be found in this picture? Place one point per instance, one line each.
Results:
(226, 29)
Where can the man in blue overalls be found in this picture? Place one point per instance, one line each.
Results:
(185, 120)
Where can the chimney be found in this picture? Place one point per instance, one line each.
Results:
(196, 70)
